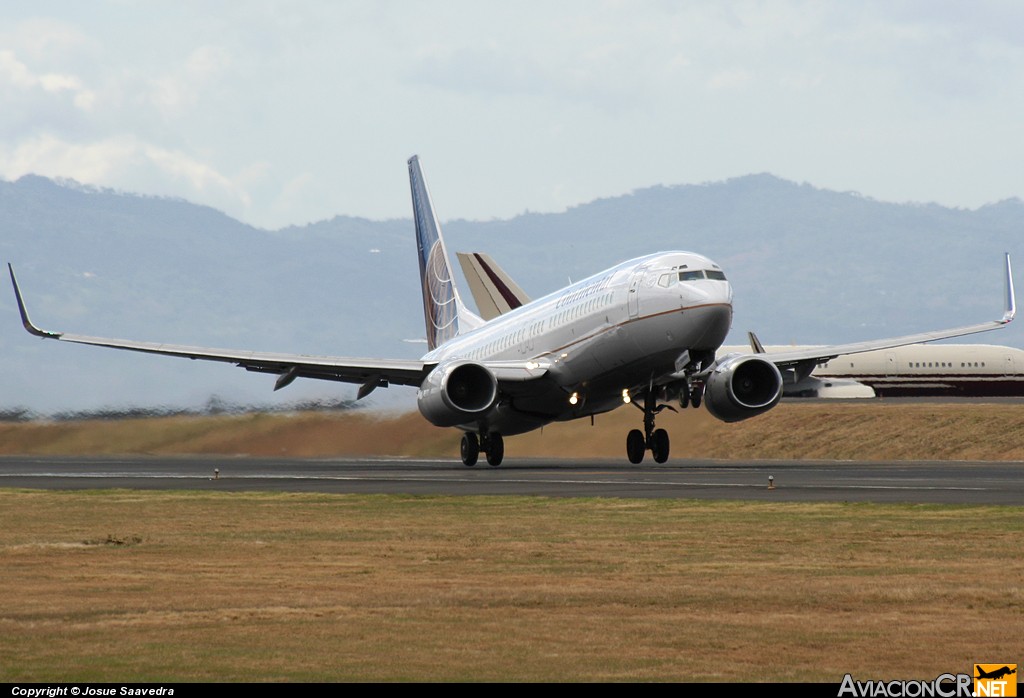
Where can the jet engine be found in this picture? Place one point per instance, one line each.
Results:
(742, 387)
(457, 392)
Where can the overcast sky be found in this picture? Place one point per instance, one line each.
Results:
(286, 113)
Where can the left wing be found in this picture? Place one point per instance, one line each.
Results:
(802, 361)
(368, 373)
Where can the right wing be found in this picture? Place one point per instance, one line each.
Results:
(367, 373)
(801, 361)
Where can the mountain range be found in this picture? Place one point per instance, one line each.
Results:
(808, 266)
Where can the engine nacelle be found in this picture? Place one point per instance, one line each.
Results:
(741, 388)
(457, 392)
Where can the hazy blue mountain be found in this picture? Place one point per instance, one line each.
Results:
(808, 266)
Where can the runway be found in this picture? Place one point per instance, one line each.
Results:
(804, 481)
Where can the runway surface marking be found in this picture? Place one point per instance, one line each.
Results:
(847, 481)
(476, 481)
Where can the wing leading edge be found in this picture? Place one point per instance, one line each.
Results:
(368, 373)
(807, 358)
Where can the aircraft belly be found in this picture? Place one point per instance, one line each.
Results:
(509, 422)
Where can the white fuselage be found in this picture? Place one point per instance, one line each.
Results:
(612, 332)
(964, 370)
(969, 370)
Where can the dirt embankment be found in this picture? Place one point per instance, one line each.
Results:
(875, 430)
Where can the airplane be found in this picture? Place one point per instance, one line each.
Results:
(952, 370)
(995, 674)
(958, 370)
(646, 331)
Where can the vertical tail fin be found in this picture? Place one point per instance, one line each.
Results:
(442, 307)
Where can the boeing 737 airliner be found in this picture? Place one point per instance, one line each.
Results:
(644, 332)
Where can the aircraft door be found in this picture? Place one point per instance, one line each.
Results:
(633, 300)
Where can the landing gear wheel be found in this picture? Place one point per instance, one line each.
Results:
(695, 396)
(470, 449)
(635, 446)
(684, 398)
(495, 448)
(659, 445)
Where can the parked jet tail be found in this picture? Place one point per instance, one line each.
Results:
(443, 311)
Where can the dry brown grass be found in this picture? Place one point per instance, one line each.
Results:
(124, 586)
(876, 430)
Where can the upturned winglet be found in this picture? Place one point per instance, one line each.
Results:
(1011, 300)
(32, 329)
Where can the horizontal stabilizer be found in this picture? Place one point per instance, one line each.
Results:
(493, 289)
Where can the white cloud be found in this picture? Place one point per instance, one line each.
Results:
(198, 176)
(182, 88)
(49, 156)
(124, 162)
(17, 75)
(55, 82)
(46, 39)
(14, 72)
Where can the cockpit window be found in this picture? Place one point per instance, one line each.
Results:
(697, 275)
(666, 280)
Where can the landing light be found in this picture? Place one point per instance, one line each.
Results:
(574, 398)
(625, 396)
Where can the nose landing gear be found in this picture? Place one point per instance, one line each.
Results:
(656, 440)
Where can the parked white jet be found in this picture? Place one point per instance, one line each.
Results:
(645, 331)
(950, 370)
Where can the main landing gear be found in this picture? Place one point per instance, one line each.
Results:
(656, 440)
(690, 396)
(489, 443)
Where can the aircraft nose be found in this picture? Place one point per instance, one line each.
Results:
(719, 313)
(706, 293)
(720, 292)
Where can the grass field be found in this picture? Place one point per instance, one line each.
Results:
(860, 430)
(133, 586)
